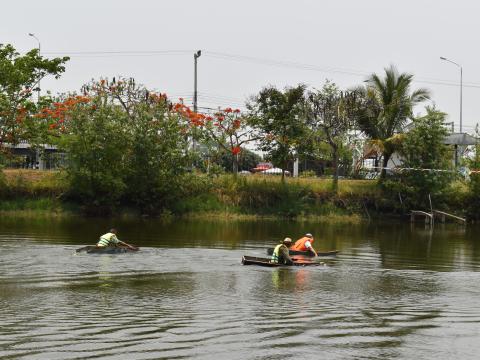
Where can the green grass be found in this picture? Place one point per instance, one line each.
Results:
(32, 183)
(225, 196)
(23, 207)
(321, 185)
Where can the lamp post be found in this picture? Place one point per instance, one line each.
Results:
(195, 57)
(461, 85)
(39, 49)
(195, 107)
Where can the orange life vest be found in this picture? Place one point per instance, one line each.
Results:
(300, 244)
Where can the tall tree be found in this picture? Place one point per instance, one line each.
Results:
(123, 142)
(330, 114)
(278, 116)
(227, 128)
(20, 75)
(388, 104)
(426, 157)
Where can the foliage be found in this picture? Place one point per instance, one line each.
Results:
(247, 159)
(308, 174)
(94, 139)
(424, 152)
(330, 113)
(123, 142)
(229, 129)
(387, 104)
(473, 199)
(20, 75)
(157, 144)
(278, 117)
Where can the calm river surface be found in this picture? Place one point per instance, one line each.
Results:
(394, 292)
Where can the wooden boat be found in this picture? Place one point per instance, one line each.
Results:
(252, 260)
(92, 249)
(307, 253)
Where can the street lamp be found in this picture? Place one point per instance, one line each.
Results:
(195, 57)
(195, 107)
(33, 35)
(461, 86)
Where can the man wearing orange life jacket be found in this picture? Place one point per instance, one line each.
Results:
(304, 244)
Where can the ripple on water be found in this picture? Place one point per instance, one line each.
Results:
(201, 303)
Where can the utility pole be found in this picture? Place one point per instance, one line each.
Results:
(195, 57)
(33, 35)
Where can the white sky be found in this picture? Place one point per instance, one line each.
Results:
(342, 40)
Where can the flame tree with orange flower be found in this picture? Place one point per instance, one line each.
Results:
(228, 128)
(124, 144)
(230, 131)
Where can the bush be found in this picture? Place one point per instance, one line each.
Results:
(423, 151)
(96, 147)
(285, 199)
(473, 197)
(308, 174)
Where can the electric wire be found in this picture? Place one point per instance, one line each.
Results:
(255, 60)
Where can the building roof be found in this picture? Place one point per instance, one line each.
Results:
(460, 139)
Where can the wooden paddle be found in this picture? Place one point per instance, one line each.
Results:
(131, 247)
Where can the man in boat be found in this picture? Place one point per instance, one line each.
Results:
(305, 244)
(280, 253)
(110, 239)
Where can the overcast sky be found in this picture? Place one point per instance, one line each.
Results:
(249, 44)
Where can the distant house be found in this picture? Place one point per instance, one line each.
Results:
(24, 157)
(458, 142)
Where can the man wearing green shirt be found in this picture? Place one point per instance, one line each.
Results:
(110, 239)
(280, 253)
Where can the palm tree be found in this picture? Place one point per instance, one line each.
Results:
(388, 104)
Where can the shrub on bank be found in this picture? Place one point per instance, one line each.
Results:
(197, 194)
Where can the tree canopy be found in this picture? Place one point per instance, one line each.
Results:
(279, 118)
(20, 75)
(388, 104)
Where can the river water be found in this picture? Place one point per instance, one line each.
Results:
(393, 292)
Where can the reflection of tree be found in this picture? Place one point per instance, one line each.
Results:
(441, 248)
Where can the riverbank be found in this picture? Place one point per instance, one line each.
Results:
(45, 193)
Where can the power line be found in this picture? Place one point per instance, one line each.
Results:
(117, 53)
(253, 60)
(309, 67)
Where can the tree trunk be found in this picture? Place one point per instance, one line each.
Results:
(335, 168)
(235, 164)
(386, 158)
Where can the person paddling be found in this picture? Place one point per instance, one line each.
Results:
(305, 244)
(110, 239)
(280, 253)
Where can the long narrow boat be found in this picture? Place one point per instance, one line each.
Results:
(252, 260)
(307, 253)
(92, 249)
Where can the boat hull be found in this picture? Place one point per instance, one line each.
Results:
(92, 249)
(307, 253)
(253, 260)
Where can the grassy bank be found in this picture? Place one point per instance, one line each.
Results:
(27, 192)
(225, 197)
